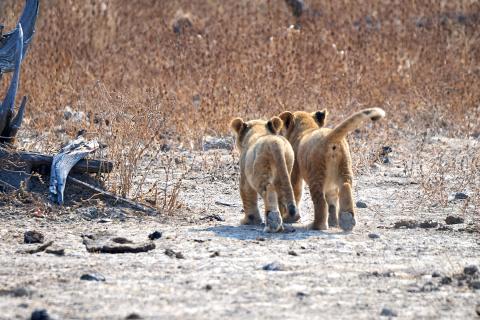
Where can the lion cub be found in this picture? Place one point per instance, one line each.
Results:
(322, 159)
(266, 161)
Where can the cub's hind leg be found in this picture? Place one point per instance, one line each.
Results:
(250, 203)
(273, 218)
(347, 213)
(332, 200)
(320, 208)
(286, 200)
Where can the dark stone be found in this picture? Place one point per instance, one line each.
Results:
(133, 316)
(155, 235)
(436, 274)
(386, 312)
(454, 220)
(461, 196)
(171, 254)
(446, 280)
(208, 287)
(292, 253)
(373, 236)
(470, 270)
(215, 254)
(301, 295)
(475, 285)
(40, 315)
(273, 266)
(428, 224)
(361, 204)
(92, 277)
(33, 237)
(407, 224)
(56, 251)
(477, 309)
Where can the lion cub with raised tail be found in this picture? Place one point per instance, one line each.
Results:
(266, 162)
(322, 159)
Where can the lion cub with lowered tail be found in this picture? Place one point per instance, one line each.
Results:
(266, 162)
(322, 159)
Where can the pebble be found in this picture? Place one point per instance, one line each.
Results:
(436, 274)
(33, 237)
(454, 220)
(461, 196)
(133, 316)
(273, 266)
(361, 204)
(40, 315)
(92, 277)
(155, 235)
(292, 253)
(475, 285)
(428, 224)
(470, 270)
(477, 309)
(373, 236)
(446, 280)
(386, 312)
(171, 254)
(208, 287)
(408, 224)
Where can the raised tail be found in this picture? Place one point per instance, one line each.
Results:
(354, 121)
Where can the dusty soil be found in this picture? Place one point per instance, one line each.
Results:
(315, 274)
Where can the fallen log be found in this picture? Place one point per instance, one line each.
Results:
(39, 162)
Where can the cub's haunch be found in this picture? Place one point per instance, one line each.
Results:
(322, 159)
(266, 162)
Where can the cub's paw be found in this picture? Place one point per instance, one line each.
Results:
(292, 216)
(273, 222)
(347, 221)
(251, 219)
(332, 220)
(313, 226)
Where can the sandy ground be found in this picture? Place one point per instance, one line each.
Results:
(317, 275)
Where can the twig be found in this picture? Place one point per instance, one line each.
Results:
(110, 195)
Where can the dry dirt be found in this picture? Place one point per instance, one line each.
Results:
(317, 275)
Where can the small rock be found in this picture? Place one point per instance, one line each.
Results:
(171, 254)
(436, 274)
(361, 204)
(56, 251)
(292, 253)
(155, 235)
(428, 224)
(33, 237)
(454, 220)
(446, 280)
(408, 224)
(133, 316)
(215, 254)
(461, 196)
(470, 270)
(213, 217)
(274, 266)
(260, 239)
(40, 315)
(301, 295)
(208, 287)
(386, 312)
(373, 236)
(477, 309)
(23, 305)
(92, 277)
(475, 285)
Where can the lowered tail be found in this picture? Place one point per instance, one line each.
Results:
(353, 122)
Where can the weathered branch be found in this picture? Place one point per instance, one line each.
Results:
(8, 40)
(38, 161)
(7, 106)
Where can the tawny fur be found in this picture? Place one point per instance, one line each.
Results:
(322, 159)
(266, 162)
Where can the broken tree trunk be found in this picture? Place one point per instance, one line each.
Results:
(13, 47)
(8, 41)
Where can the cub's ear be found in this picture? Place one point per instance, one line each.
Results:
(237, 125)
(320, 117)
(274, 125)
(287, 118)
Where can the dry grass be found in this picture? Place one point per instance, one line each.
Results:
(143, 86)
